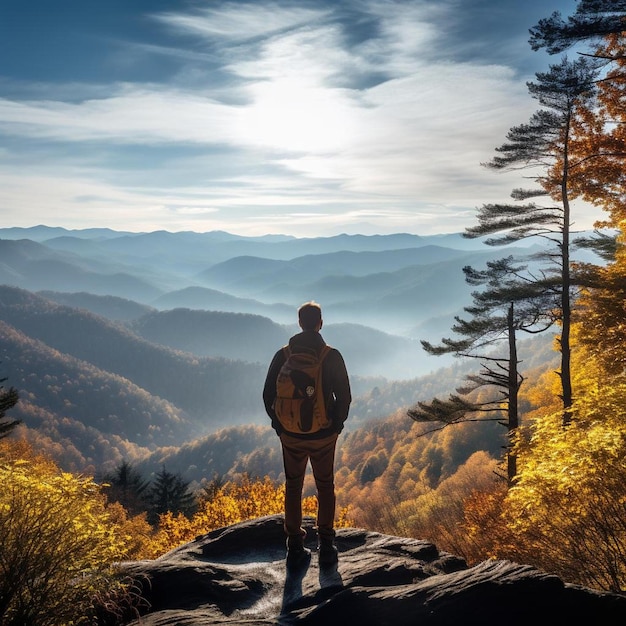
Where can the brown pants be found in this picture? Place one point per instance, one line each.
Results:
(296, 454)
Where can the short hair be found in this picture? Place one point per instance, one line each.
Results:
(310, 315)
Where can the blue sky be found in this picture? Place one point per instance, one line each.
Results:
(304, 118)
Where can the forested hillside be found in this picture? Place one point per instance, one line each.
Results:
(368, 352)
(377, 431)
(203, 388)
(112, 307)
(94, 392)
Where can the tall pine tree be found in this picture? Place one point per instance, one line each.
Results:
(543, 145)
(126, 486)
(169, 493)
(591, 21)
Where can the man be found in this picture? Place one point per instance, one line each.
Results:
(318, 447)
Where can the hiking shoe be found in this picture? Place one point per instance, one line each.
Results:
(328, 553)
(296, 552)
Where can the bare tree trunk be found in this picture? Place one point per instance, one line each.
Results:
(513, 391)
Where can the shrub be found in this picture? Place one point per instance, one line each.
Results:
(57, 548)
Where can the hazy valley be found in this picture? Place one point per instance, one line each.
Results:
(146, 347)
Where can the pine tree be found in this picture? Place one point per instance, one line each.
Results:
(169, 493)
(127, 486)
(8, 399)
(512, 301)
(544, 144)
(592, 20)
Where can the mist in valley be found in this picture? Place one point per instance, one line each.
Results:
(133, 345)
(220, 295)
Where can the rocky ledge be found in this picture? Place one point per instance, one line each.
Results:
(238, 575)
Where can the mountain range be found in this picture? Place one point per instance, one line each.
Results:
(400, 284)
(128, 345)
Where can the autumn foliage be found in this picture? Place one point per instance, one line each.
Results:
(60, 538)
(223, 506)
(57, 545)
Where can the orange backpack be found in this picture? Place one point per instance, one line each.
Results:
(300, 405)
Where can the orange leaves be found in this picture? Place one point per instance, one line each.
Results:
(598, 149)
(225, 505)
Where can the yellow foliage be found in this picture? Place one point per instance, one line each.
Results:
(135, 532)
(57, 545)
(542, 396)
(602, 317)
(566, 513)
(483, 526)
(439, 513)
(229, 504)
(173, 530)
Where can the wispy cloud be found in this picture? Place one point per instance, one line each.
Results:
(354, 110)
(238, 22)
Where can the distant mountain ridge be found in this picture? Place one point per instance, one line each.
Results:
(201, 394)
(246, 270)
(205, 298)
(110, 307)
(34, 266)
(384, 281)
(124, 345)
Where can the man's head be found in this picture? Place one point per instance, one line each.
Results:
(310, 316)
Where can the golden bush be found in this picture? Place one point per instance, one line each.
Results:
(57, 545)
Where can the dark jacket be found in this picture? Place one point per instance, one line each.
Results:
(335, 383)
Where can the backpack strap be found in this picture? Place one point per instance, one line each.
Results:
(325, 350)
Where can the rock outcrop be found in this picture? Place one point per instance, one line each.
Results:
(238, 575)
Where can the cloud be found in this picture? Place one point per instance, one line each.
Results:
(131, 114)
(239, 22)
(279, 115)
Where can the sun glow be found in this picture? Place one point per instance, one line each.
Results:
(289, 115)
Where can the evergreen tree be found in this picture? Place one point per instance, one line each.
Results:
(592, 20)
(169, 493)
(544, 144)
(512, 301)
(8, 399)
(127, 487)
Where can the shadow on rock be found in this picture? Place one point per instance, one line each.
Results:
(295, 573)
(329, 577)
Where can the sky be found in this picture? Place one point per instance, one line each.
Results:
(306, 118)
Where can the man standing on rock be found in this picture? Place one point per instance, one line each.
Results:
(308, 412)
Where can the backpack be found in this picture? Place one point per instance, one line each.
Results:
(299, 403)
